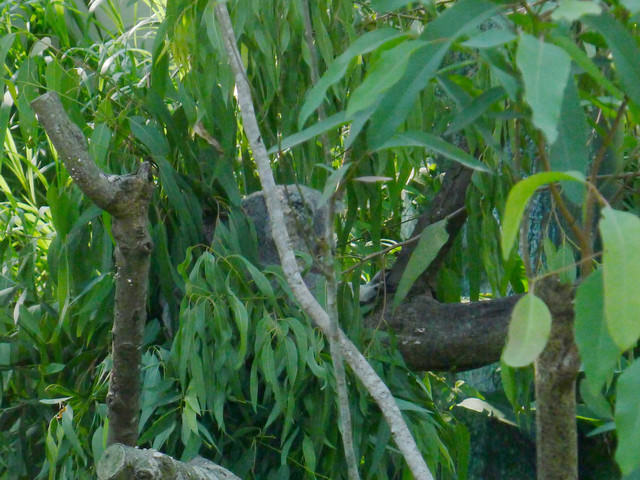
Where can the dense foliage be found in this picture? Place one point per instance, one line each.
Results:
(373, 98)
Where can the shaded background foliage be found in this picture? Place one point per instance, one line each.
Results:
(232, 369)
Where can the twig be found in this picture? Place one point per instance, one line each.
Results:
(376, 387)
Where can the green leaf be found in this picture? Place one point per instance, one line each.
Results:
(598, 352)
(627, 418)
(632, 5)
(490, 38)
(545, 71)
(309, 454)
(384, 74)
(475, 109)
(332, 184)
(528, 331)
(431, 241)
(365, 44)
(241, 317)
(435, 144)
(99, 143)
(584, 62)
(70, 432)
(572, 10)
(620, 232)
(569, 151)
(624, 49)
(309, 132)
(561, 261)
(517, 201)
(396, 104)
(384, 6)
(150, 136)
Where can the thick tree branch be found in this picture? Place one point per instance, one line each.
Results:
(378, 390)
(126, 198)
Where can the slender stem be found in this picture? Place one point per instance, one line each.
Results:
(361, 368)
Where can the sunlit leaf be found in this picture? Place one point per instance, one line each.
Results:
(310, 132)
(528, 331)
(620, 232)
(598, 352)
(517, 202)
(431, 241)
(545, 71)
(627, 416)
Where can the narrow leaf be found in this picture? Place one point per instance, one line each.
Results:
(572, 10)
(624, 49)
(598, 352)
(517, 201)
(545, 71)
(309, 132)
(332, 183)
(490, 38)
(528, 331)
(620, 232)
(431, 241)
(435, 144)
(475, 109)
(627, 418)
(365, 44)
(384, 74)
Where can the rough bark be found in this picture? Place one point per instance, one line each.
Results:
(126, 198)
(448, 336)
(555, 382)
(120, 462)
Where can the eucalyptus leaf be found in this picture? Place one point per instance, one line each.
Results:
(598, 352)
(431, 241)
(620, 232)
(517, 202)
(529, 331)
(627, 417)
(545, 71)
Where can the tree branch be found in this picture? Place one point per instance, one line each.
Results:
(376, 387)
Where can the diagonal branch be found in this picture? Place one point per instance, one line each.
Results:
(376, 387)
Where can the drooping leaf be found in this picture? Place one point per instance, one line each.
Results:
(475, 109)
(627, 418)
(584, 62)
(431, 241)
(624, 49)
(545, 71)
(435, 144)
(528, 331)
(309, 132)
(441, 32)
(332, 183)
(620, 232)
(517, 202)
(598, 352)
(365, 44)
(384, 74)
(569, 152)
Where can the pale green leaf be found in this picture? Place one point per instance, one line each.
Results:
(632, 5)
(490, 38)
(627, 418)
(598, 352)
(572, 10)
(517, 202)
(528, 331)
(384, 74)
(545, 71)
(434, 144)
(620, 232)
(624, 49)
(431, 241)
(99, 143)
(384, 6)
(365, 44)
